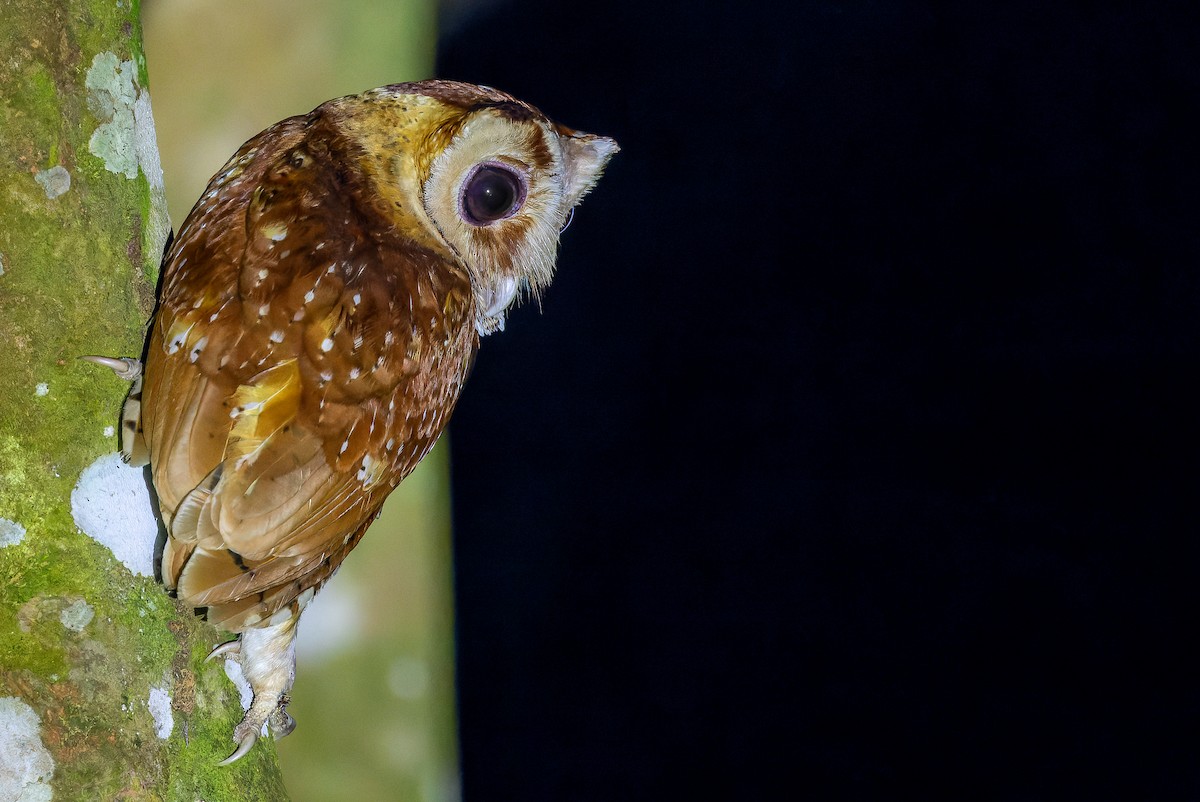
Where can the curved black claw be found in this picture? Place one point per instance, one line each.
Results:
(244, 746)
(233, 647)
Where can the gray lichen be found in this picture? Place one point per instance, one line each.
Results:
(11, 533)
(77, 615)
(112, 93)
(25, 765)
(55, 181)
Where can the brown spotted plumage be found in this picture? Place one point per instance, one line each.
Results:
(320, 310)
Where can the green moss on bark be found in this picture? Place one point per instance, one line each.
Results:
(82, 640)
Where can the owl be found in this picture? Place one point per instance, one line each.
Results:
(320, 310)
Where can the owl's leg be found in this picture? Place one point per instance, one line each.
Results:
(133, 444)
(268, 659)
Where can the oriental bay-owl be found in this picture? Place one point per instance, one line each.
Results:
(320, 310)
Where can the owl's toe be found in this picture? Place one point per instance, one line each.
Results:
(280, 721)
(125, 367)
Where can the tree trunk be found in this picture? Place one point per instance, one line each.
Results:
(104, 692)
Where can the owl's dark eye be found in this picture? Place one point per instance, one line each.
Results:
(493, 192)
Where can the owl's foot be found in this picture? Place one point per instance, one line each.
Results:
(267, 656)
(125, 367)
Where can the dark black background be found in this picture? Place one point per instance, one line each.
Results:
(854, 452)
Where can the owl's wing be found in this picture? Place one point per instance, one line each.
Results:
(300, 366)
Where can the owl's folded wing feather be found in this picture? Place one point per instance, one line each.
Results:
(292, 380)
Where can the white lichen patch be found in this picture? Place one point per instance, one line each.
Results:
(233, 670)
(160, 709)
(11, 533)
(110, 503)
(125, 138)
(55, 181)
(1, 264)
(25, 765)
(77, 615)
(157, 228)
(41, 389)
(145, 140)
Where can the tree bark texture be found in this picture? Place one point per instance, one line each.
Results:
(104, 692)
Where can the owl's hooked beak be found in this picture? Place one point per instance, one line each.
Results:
(493, 303)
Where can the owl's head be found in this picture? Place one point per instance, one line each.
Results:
(476, 174)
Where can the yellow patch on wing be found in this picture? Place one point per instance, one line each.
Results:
(262, 408)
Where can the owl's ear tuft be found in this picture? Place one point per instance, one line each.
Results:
(584, 157)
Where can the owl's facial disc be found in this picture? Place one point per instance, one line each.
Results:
(498, 190)
(492, 191)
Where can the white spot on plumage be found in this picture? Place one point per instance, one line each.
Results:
(308, 296)
(262, 310)
(357, 299)
(195, 354)
(354, 373)
(263, 273)
(276, 336)
(345, 445)
(281, 615)
(178, 340)
(327, 344)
